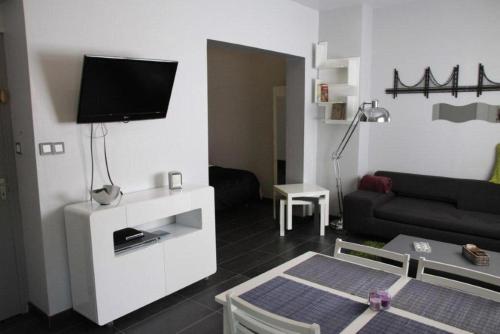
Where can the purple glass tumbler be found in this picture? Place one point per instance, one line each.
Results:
(385, 299)
(374, 301)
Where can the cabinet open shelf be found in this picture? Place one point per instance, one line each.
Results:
(337, 93)
(334, 63)
(329, 103)
(176, 226)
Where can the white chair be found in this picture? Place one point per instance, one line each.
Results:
(245, 318)
(310, 207)
(404, 259)
(455, 284)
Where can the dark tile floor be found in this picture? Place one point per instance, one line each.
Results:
(248, 244)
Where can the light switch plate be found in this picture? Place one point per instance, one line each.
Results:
(19, 149)
(58, 148)
(45, 148)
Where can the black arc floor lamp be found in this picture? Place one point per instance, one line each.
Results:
(372, 114)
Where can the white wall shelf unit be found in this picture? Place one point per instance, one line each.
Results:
(338, 121)
(106, 285)
(342, 77)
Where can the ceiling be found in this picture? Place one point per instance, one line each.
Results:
(331, 4)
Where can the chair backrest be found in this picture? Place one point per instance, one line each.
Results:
(404, 259)
(458, 272)
(245, 318)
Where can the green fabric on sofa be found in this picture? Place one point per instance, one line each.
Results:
(496, 171)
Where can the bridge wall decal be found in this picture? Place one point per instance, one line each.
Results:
(428, 84)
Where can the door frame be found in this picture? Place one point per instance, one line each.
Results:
(6, 132)
(278, 92)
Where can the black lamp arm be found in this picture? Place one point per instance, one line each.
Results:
(338, 154)
(350, 131)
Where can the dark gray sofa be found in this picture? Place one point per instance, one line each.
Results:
(452, 210)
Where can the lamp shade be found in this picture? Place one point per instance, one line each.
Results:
(375, 114)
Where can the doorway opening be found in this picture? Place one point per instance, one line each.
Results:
(279, 137)
(250, 119)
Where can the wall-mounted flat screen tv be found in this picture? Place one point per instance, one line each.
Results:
(124, 89)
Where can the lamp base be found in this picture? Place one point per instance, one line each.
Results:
(337, 223)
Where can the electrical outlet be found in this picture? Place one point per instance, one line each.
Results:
(58, 148)
(19, 149)
(45, 148)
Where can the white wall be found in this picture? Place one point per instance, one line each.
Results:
(341, 28)
(365, 92)
(240, 109)
(22, 126)
(59, 32)
(439, 34)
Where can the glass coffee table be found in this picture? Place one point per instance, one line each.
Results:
(440, 252)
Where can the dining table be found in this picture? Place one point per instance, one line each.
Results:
(333, 293)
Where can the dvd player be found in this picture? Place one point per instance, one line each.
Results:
(128, 239)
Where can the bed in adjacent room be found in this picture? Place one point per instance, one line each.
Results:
(233, 187)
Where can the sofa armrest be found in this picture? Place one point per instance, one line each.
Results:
(359, 206)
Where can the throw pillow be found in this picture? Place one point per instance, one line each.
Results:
(380, 184)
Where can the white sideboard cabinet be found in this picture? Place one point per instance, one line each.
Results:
(106, 285)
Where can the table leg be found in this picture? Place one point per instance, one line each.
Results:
(327, 209)
(226, 324)
(289, 212)
(322, 216)
(274, 204)
(282, 217)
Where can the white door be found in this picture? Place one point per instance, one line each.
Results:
(11, 294)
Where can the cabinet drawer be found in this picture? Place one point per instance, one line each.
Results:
(143, 212)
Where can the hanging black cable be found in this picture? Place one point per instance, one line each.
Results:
(105, 153)
(92, 159)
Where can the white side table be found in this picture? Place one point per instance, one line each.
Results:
(291, 191)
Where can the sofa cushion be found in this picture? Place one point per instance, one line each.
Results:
(435, 188)
(479, 196)
(439, 215)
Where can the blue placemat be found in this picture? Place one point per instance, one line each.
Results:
(342, 275)
(389, 323)
(306, 304)
(458, 309)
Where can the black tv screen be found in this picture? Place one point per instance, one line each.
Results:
(124, 89)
